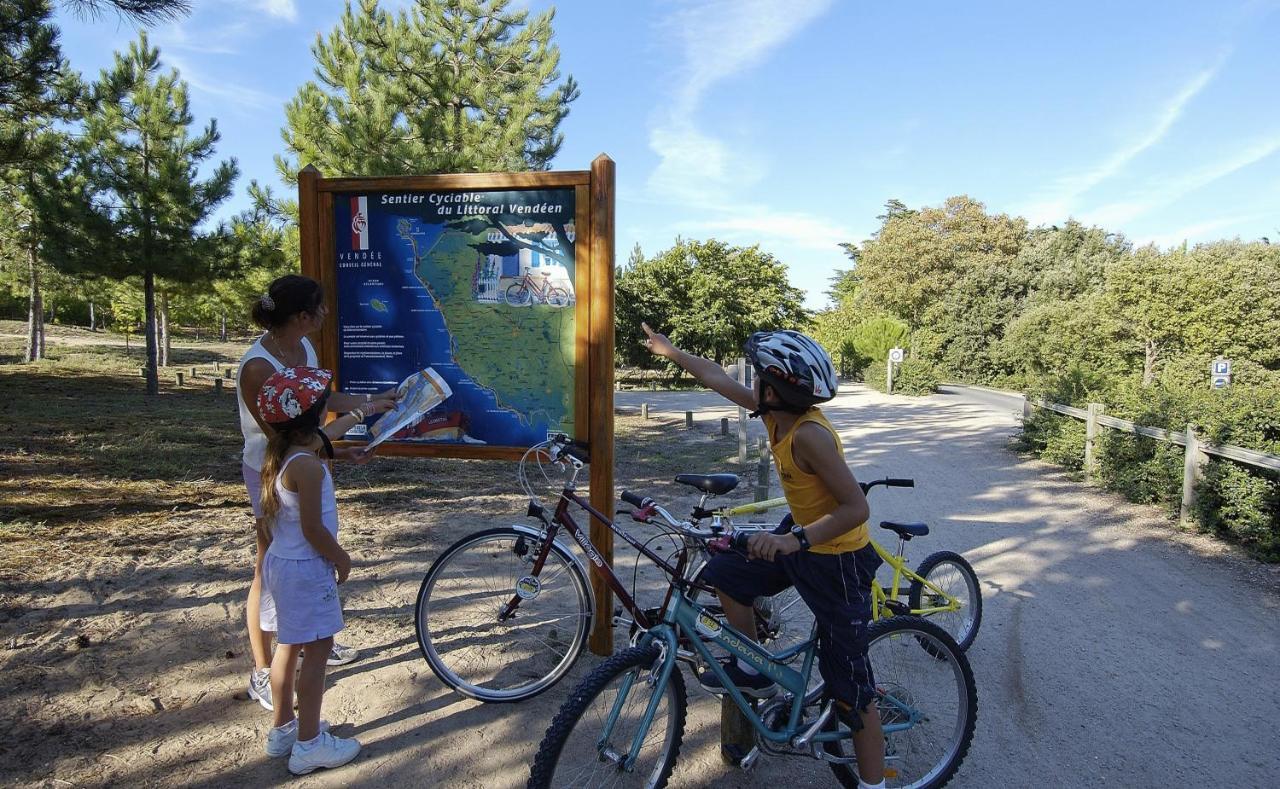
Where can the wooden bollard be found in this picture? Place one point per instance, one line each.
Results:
(724, 425)
(217, 386)
(143, 371)
(737, 737)
(179, 379)
(762, 477)
(193, 373)
(644, 410)
(227, 373)
(688, 420)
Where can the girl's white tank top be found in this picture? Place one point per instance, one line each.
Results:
(255, 441)
(287, 540)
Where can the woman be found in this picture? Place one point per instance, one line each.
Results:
(292, 308)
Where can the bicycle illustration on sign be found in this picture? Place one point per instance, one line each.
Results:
(531, 289)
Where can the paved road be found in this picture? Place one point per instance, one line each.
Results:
(1113, 652)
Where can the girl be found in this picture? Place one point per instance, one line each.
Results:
(292, 308)
(303, 564)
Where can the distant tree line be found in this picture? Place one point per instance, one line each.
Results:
(1079, 314)
(114, 219)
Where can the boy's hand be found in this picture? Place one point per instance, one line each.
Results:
(769, 546)
(343, 566)
(657, 343)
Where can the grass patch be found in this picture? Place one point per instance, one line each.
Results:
(91, 465)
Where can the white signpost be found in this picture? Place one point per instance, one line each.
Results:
(895, 356)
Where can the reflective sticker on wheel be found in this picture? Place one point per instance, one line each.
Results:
(528, 587)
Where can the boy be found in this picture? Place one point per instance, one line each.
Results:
(826, 554)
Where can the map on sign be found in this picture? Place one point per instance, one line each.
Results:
(473, 291)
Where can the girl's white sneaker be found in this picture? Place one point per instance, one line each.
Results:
(324, 751)
(280, 739)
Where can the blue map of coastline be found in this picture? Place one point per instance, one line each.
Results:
(407, 308)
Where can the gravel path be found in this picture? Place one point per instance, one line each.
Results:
(1113, 651)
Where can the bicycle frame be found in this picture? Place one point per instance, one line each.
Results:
(685, 618)
(563, 519)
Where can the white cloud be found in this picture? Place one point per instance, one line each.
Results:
(716, 41)
(1200, 231)
(1169, 191)
(752, 224)
(283, 9)
(1062, 199)
(237, 96)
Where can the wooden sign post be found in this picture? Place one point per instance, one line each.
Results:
(494, 289)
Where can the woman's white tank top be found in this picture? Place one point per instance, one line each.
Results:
(255, 441)
(287, 540)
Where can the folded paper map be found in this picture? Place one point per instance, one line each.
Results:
(416, 395)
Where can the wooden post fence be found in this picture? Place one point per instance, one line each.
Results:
(1090, 441)
(1197, 451)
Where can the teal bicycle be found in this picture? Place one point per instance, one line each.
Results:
(623, 725)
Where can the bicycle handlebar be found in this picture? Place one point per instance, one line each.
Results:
(636, 500)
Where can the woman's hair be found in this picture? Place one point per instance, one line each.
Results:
(285, 297)
(296, 431)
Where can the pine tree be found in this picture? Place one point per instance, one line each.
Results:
(134, 204)
(445, 86)
(37, 91)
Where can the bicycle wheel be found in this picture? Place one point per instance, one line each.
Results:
(928, 704)
(952, 574)
(558, 297)
(571, 753)
(517, 295)
(457, 622)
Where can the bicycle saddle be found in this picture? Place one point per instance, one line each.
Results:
(715, 484)
(906, 530)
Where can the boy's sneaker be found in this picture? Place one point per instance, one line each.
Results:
(280, 739)
(260, 687)
(341, 654)
(757, 686)
(324, 751)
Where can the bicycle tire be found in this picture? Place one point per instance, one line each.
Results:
(522, 295)
(962, 625)
(551, 751)
(514, 666)
(558, 297)
(906, 635)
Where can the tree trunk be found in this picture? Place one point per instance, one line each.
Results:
(149, 300)
(1149, 363)
(92, 323)
(166, 346)
(222, 333)
(35, 311)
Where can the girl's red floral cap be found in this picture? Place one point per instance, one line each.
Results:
(292, 392)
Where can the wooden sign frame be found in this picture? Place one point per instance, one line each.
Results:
(594, 325)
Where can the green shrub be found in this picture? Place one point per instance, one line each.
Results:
(915, 377)
(1242, 505)
(1055, 438)
(1141, 469)
(873, 375)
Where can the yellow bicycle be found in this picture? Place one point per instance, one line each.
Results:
(943, 588)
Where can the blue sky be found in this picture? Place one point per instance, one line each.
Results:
(790, 123)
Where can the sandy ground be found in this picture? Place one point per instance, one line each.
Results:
(1113, 651)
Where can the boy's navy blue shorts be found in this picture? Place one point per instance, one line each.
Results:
(837, 589)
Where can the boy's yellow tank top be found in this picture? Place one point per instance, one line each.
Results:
(806, 494)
